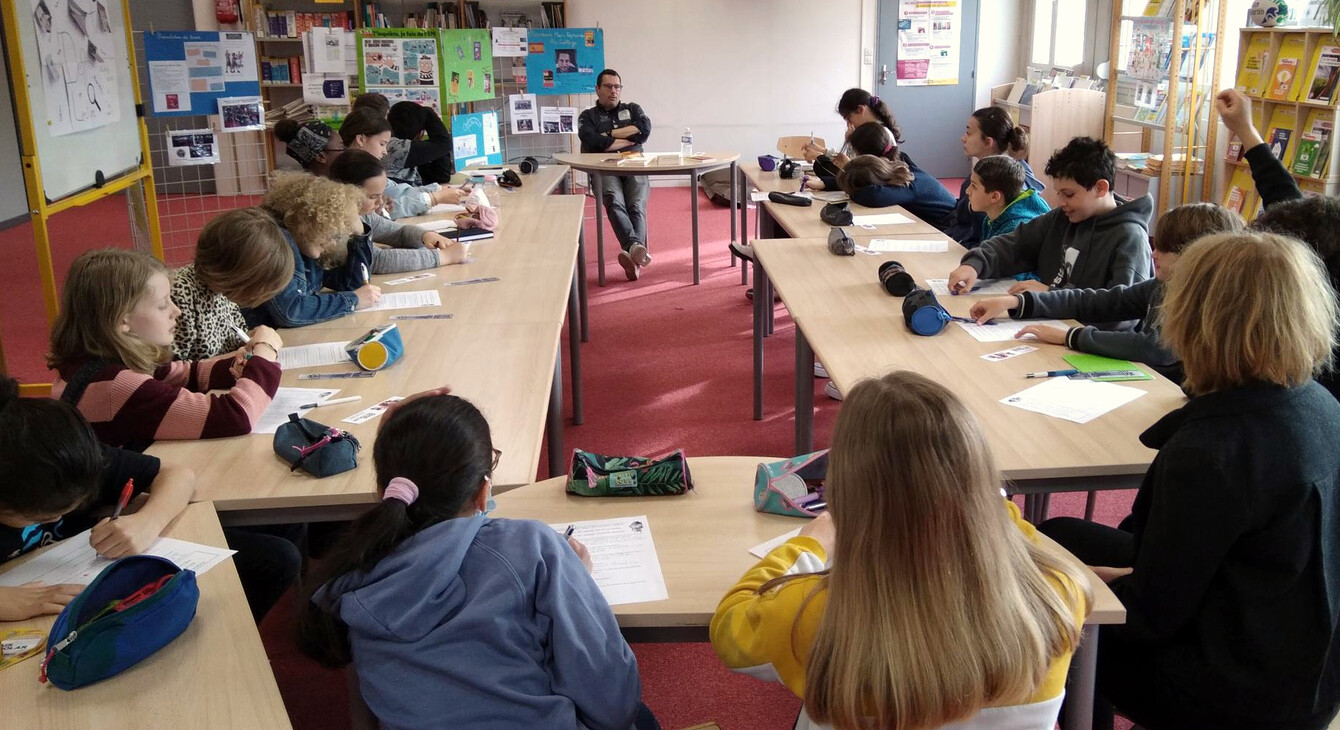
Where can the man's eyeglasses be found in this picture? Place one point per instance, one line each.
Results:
(612, 87)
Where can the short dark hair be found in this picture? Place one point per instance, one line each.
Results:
(408, 120)
(1178, 227)
(1001, 174)
(355, 166)
(366, 121)
(600, 77)
(1086, 161)
(1314, 220)
(372, 100)
(853, 98)
(50, 457)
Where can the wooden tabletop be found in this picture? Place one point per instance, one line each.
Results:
(215, 675)
(702, 538)
(599, 162)
(497, 350)
(803, 222)
(541, 182)
(857, 331)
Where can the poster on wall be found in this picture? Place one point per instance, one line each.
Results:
(564, 60)
(475, 140)
(509, 41)
(401, 63)
(558, 120)
(522, 111)
(80, 45)
(467, 65)
(242, 114)
(929, 34)
(190, 71)
(192, 147)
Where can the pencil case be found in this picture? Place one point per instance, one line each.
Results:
(315, 448)
(923, 313)
(596, 475)
(780, 487)
(135, 607)
(789, 199)
(379, 348)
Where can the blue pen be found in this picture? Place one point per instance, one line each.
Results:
(1052, 374)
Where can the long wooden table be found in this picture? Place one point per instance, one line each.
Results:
(215, 675)
(500, 350)
(703, 540)
(541, 182)
(595, 165)
(846, 319)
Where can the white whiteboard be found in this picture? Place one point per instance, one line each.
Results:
(76, 66)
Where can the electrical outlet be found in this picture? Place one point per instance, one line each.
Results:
(867, 57)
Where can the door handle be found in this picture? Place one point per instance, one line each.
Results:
(883, 73)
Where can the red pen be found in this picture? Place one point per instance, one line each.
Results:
(121, 503)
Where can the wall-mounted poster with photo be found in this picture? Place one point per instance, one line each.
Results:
(564, 60)
(401, 63)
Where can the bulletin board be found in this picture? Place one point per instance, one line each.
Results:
(401, 63)
(564, 60)
(475, 141)
(467, 65)
(189, 71)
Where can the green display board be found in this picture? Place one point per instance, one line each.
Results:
(435, 68)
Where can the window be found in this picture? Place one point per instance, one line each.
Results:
(1059, 33)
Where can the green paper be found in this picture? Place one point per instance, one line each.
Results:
(1098, 363)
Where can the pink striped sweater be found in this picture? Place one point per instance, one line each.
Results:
(131, 410)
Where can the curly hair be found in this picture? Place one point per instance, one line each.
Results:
(315, 210)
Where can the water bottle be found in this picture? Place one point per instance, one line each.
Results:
(686, 143)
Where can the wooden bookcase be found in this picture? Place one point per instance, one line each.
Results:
(1267, 111)
(1160, 102)
(1053, 118)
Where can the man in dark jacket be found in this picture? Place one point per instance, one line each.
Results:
(613, 125)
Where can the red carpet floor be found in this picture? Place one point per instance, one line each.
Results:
(668, 366)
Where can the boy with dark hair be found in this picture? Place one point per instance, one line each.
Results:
(998, 188)
(1092, 240)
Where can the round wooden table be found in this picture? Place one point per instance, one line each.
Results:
(596, 164)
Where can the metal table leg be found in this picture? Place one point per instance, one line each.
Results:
(734, 173)
(760, 276)
(553, 424)
(740, 194)
(693, 188)
(581, 283)
(575, 347)
(1082, 682)
(804, 394)
(598, 187)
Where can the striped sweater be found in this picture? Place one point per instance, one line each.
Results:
(131, 410)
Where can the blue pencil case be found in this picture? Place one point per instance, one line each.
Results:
(135, 607)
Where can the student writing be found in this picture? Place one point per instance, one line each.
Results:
(455, 619)
(365, 130)
(856, 107)
(963, 616)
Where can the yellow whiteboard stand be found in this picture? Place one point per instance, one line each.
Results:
(39, 208)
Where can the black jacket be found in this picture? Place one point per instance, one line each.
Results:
(1236, 585)
(595, 124)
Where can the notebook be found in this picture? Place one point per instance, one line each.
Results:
(1098, 363)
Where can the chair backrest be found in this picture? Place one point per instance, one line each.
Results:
(795, 146)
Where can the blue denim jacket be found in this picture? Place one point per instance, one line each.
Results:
(302, 302)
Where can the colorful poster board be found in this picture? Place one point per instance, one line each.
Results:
(929, 42)
(474, 139)
(467, 65)
(189, 71)
(402, 63)
(80, 46)
(564, 60)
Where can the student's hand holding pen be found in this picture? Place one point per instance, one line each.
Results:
(581, 551)
(988, 308)
(811, 151)
(368, 295)
(962, 279)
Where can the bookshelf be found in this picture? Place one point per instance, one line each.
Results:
(1291, 76)
(1165, 57)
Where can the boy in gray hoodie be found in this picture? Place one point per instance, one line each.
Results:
(1092, 239)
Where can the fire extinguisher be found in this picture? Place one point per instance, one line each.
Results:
(225, 11)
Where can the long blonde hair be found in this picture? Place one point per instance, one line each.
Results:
(1249, 307)
(937, 604)
(101, 288)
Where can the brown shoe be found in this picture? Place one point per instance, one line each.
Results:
(629, 268)
(640, 255)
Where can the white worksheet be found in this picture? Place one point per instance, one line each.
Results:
(762, 549)
(900, 245)
(406, 300)
(623, 558)
(1007, 354)
(880, 219)
(1004, 330)
(1080, 401)
(446, 208)
(75, 561)
(286, 401)
(367, 414)
(408, 279)
(310, 356)
(984, 287)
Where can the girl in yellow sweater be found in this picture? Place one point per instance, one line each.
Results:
(920, 599)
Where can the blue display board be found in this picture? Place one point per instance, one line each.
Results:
(474, 139)
(564, 60)
(189, 71)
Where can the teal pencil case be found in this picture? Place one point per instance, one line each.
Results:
(789, 487)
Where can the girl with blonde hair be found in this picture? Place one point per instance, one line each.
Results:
(1230, 564)
(920, 599)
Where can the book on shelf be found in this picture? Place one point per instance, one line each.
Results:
(1252, 72)
(1030, 91)
(1016, 91)
(1283, 78)
(1234, 151)
(1283, 124)
(1325, 73)
(1305, 159)
(1240, 191)
(1320, 123)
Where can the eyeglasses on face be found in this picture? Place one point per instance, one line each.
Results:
(612, 87)
(497, 456)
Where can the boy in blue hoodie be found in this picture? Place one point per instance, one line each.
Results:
(997, 188)
(456, 620)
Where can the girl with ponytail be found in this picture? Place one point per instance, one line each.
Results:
(989, 131)
(856, 107)
(879, 177)
(455, 619)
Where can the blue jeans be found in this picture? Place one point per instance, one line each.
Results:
(625, 198)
